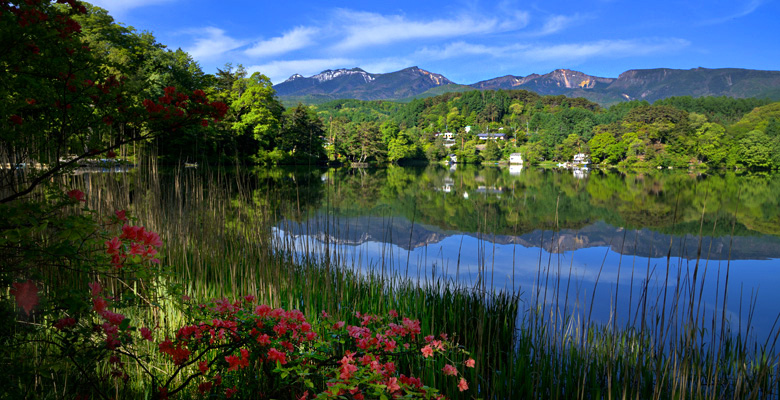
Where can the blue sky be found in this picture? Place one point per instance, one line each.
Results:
(466, 41)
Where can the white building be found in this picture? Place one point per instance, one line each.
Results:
(515, 158)
(580, 158)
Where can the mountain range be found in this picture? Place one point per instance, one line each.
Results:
(635, 84)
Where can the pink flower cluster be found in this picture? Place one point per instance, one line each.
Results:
(134, 241)
(112, 319)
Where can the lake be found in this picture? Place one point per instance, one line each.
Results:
(610, 244)
(549, 232)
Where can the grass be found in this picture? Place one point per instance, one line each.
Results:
(542, 344)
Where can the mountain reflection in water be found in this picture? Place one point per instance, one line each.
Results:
(503, 228)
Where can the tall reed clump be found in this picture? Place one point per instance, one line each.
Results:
(225, 236)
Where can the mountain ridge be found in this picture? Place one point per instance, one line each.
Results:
(634, 84)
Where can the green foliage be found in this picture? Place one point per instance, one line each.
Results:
(722, 110)
(600, 146)
(755, 150)
(400, 148)
(492, 151)
(301, 134)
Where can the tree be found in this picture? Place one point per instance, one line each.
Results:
(754, 150)
(389, 131)
(258, 114)
(570, 146)
(301, 134)
(63, 103)
(599, 146)
(492, 151)
(711, 148)
(401, 148)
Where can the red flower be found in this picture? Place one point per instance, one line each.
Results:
(230, 392)
(463, 385)
(26, 295)
(449, 370)
(137, 249)
(30, 101)
(121, 214)
(233, 361)
(16, 119)
(77, 195)
(111, 154)
(65, 323)
(203, 366)
(204, 387)
(113, 246)
(262, 310)
(204, 123)
(150, 238)
(427, 351)
(146, 333)
(392, 385)
(276, 355)
(264, 339)
(470, 363)
(112, 317)
(95, 288)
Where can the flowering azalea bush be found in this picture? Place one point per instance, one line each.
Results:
(241, 349)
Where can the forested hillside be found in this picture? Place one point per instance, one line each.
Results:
(677, 131)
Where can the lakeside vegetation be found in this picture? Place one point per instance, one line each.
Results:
(95, 267)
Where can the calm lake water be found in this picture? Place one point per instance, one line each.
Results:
(547, 233)
(560, 238)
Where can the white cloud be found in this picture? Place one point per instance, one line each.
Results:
(295, 39)
(116, 7)
(748, 9)
(604, 48)
(278, 71)
(557, 23)
(558, 52)
(212, 43)
(461, 49)
(386, 65)
(363, 29)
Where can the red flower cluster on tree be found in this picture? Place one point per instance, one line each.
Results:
(141, 242)
(16, 119)
(26, 294)
(77, 195)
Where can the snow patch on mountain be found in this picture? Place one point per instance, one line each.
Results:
(333, 74)
(294, 77)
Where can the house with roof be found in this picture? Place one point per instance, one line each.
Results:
(493, 136)
(515, 158)
(580, 158)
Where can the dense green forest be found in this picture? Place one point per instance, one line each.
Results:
(678, 131)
